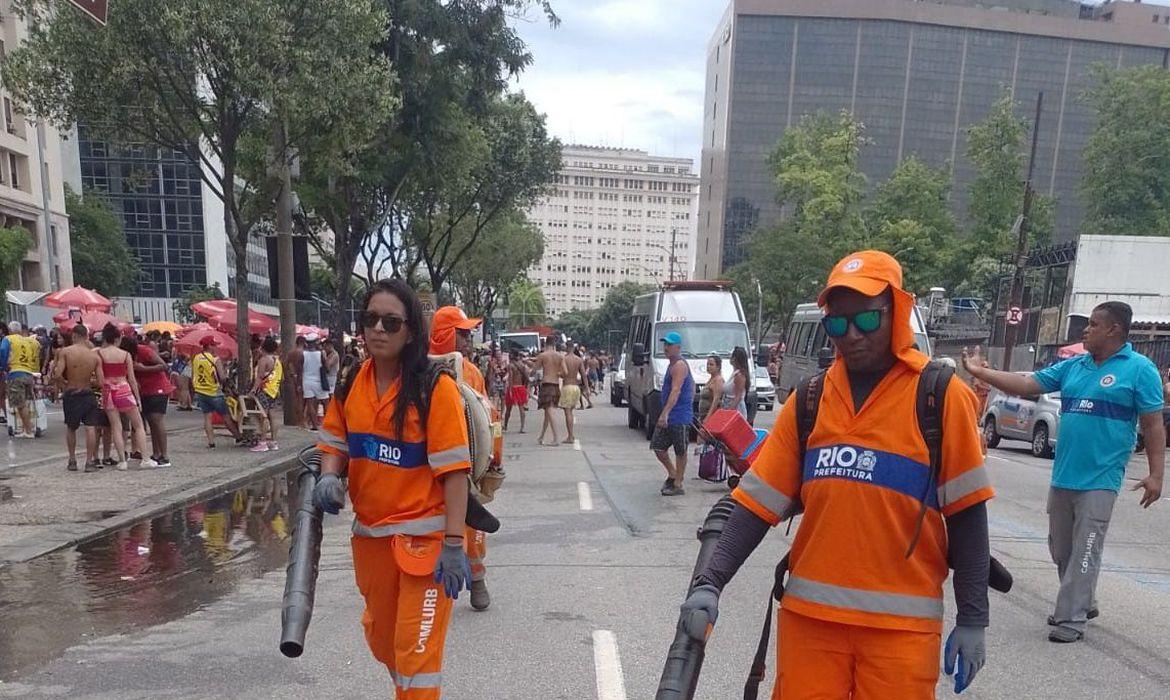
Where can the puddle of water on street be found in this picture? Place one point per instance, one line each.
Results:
(144, 574)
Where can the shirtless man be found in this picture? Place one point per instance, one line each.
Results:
(517, 393)
(574, 378)
(75, 372)
(552, 368)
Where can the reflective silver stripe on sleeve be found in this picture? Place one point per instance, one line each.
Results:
(446, 458)
(418, 680)
(423, 526)
(866, 601)
(962, 486)
(765, 495)
(333, 441)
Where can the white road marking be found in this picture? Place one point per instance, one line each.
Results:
(610, 685)
(577, 445)
(584, 496)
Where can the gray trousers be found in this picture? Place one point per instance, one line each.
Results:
(1077, 521)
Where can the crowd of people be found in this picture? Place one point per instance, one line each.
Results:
(119, 376)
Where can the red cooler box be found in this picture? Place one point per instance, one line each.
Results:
(731, 429)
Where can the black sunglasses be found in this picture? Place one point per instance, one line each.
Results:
(865, 322)
(390, 322)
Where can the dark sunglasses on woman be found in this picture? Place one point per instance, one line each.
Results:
(390, 322)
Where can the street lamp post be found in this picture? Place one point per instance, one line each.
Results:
(759, 315)
(669, 252)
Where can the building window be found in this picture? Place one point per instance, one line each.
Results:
(1157, 19)
(9, 122)
(14, 170)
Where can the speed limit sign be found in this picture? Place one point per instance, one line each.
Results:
(1014, 315)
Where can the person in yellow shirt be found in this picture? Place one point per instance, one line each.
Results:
(206, 370)
(266, 388)
(20, 355)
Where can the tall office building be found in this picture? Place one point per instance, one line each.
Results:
(32, 194)
(917, 74)
(616, 215)
(173, 222)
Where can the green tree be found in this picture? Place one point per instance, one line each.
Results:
(506, 163)
(213, 80)
(820, 190)
(818, 183)
(194, 295)
(506, 248)
(526, 304)
(909, 216)
(1126, 184)
(614, 313)
(101, 258)
(452, 61)
(997, 148)
(580, 325)
(15, 243)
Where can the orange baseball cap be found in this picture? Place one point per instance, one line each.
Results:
(868, 272)
(449, 317)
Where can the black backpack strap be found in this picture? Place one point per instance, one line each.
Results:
(928, 408)
(432, 373)
(751, 688)
(808, 402)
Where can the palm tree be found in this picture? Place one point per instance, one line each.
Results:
(526, 305)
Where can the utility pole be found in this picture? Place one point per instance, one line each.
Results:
(759, 316)
(673, 237)
(1014, 316)
(284, 261)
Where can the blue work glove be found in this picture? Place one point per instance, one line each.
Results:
(966, 645)
(453, 569)
(329, 494)
(699, 612)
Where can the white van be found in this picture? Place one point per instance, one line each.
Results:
(806, 337)
(710, 319)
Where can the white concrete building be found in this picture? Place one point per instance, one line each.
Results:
(32, 194)
(616, 215)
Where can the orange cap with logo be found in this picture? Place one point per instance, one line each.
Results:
(871, 272)
(443, 326)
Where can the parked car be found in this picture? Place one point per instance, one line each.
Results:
(617, 383)
(765, 390)
(1033, 419)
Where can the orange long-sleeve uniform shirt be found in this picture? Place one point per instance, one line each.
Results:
(862, 484)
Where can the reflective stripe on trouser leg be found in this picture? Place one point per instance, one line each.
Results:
(1085, 532)
(405, 619)
(819, 659)
(476, 548)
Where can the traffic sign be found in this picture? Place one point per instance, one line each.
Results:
(96, 9)
(1014, 315)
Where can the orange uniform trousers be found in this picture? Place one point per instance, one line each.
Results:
(476, 548)
(406, 619)
(819, 660)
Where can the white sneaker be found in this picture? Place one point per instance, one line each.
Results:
(273, 447)
(121, 466)
(151, 463)
(260, 447)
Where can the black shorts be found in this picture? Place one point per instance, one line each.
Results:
(81, 408)
(155, 404)
(670, 435)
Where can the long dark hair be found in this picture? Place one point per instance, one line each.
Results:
(740, 361)
(414, 354)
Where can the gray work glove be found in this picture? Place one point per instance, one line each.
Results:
(329, 494)
(699, 612)
(453, 570)
(966, 645)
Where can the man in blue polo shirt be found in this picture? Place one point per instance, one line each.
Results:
(1102, 394)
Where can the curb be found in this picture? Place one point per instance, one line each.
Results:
(62, 456)
(78, 533)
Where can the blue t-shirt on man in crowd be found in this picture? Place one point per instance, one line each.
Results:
(1100, 405)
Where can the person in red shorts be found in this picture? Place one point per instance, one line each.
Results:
(517, 395)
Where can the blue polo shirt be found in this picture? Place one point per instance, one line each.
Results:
(1099, 407)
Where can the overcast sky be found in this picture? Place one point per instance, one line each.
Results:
(622, 72)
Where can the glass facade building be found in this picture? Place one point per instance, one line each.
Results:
(916, 74)
(159, 195)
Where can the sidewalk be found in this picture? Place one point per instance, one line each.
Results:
(50, 508)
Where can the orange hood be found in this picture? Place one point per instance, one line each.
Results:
(871, 272)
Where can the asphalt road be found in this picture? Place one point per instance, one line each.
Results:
(586, 578)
